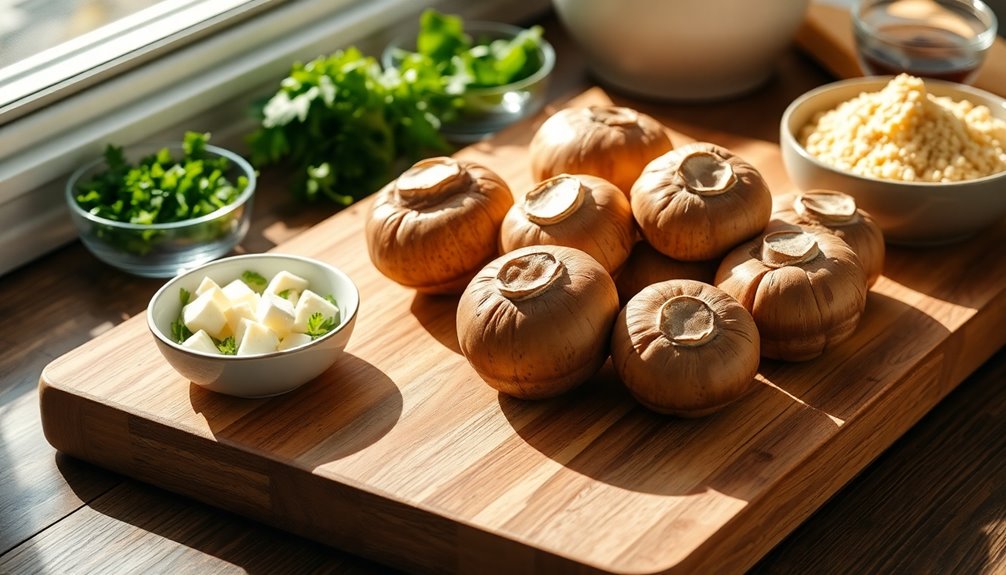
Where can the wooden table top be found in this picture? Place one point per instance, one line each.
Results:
(934, 502)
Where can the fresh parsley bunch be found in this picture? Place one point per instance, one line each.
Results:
(342, 123)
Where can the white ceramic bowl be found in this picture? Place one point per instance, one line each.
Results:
(912, 213)
(682, 49)
(255, 375)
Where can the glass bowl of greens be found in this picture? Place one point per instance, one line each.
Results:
(496, 73)
(154, 210)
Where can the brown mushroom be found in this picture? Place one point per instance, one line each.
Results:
(437, 224)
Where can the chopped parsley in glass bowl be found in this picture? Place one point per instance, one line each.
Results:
(155, 210)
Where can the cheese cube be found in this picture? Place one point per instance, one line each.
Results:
(238, 292)
(208, 313)
(285, 280)
(236, 313)
(276, 313)
(293, 340)
(201, 341)
(309, 304)
(256, 338)
(206, 284)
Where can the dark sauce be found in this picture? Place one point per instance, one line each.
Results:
(923, 50)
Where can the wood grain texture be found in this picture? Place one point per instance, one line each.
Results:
(947, 472)
(400, 453)
(826, 35)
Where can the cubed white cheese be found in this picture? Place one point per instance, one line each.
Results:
(293, 340)
(206, 284)
(285, 280)
(257, 338)
(238, 292)
(276, 313)
(208, 312)
(236, 313)
(201, 341)
(309, 304)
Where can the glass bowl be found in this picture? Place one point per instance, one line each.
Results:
(938, 39)
(488, 110)
(163, 250)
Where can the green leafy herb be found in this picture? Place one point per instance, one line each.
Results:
(345, 126)
(331, 299)
(255, 281)
(159, 189)
(318, 325)
(228, 346)
(443, 44)
(285, 294)
(342, 124)
(179, 332)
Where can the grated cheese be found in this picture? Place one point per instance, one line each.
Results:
(904, 133)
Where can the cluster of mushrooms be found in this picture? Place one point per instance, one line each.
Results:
(670, 260)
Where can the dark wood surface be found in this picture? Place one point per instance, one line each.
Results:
(933, 503)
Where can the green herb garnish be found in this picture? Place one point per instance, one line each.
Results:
(228, 346)
(285, 294)
(318, 325)
(255, 281)
(331, 299)
(179, 332)
(159, 189)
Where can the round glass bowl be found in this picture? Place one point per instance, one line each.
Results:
(163, 250)
(939, 39)
(488, 110)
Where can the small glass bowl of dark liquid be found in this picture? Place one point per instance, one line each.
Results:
(941, 39)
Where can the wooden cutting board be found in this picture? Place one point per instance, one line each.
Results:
(401, 454)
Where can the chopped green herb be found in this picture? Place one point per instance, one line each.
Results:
(255, 281)
(285, 294)
(228, 346)
(179, 332)
(159, 189)
(318, 325)
(331, 299)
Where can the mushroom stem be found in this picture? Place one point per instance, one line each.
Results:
(526, 276)
(554, 200)
(614, 115)
(430, 181)
(788, 248)
(827, 206)
(686, 321)
(706, 174)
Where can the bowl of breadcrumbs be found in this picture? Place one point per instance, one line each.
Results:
(926, 158)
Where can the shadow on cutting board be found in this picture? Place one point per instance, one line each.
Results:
(438, 316)
(609, 437)
(342, 411)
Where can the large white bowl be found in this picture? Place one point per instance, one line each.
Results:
(256, 375)
(682, 49)
(913, 213)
